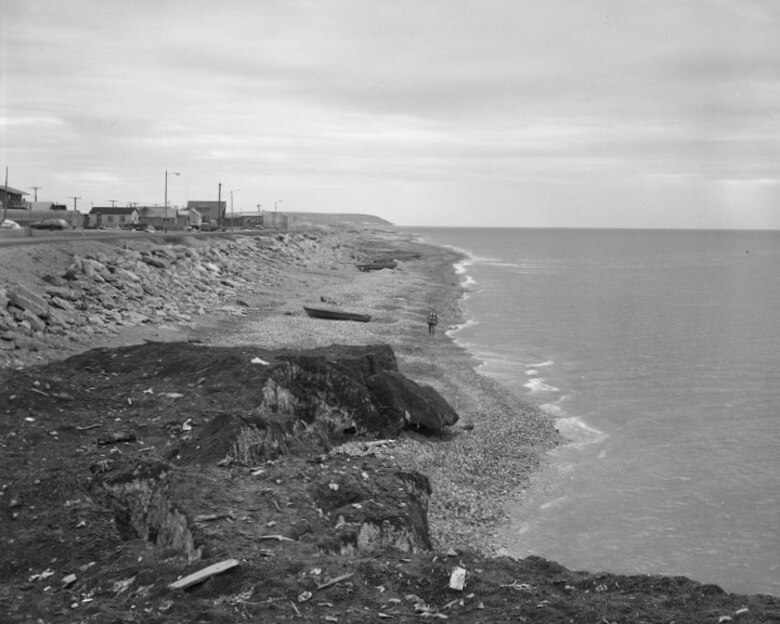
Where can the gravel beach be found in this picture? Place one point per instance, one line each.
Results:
(499, 441)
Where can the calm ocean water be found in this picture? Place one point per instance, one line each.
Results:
(658, 352)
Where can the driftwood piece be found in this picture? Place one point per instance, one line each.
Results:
(338, 579)
(202, 575)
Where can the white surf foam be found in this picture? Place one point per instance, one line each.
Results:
(537, 384)
(578, 432)
(553, 409)
(467, 281)
(453, 332)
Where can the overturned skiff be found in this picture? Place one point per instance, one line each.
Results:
(336, 315)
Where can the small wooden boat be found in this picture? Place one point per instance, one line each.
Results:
(336, 315)
(378, 265)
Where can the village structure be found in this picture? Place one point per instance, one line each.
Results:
(197, 215)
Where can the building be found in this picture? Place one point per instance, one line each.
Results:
(157, 216)
(112, 216)
(46, 205)
(12, 198)
(189, 218)
(210, 211)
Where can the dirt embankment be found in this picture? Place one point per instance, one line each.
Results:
(132, 464)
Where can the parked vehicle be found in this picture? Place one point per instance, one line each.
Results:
(50, 224)
(10, 225)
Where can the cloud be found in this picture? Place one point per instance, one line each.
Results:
(558, 102)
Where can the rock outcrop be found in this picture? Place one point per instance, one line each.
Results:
(290, 398)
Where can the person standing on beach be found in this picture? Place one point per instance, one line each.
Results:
(433, 321)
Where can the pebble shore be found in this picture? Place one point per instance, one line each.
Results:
(64, 298)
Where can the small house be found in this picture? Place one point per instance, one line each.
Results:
(112, 217)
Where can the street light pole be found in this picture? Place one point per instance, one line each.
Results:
(75, 199)
(35, 190)
(232, 214)
(5, 197)
(166, 197)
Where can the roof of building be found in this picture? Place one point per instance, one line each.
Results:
(113, 210)
(12, 190)
(205, 204)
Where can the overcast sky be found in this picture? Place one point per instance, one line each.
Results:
(543, 113)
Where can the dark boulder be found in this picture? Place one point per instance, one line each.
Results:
(405, 401)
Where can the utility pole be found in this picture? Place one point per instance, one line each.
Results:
(5, 197)
(166, 196)
(219, 206)
(75, 199)
(113, 202)
(232, 214)
(35, 190)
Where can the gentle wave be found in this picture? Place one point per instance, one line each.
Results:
(456, 329)
(555, 408)
(467, 281)
(578, 432)
(537, 384)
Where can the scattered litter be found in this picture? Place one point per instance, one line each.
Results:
(117, 436)
(173, 395)
(724, 618)
(121, 586)
(278, 538)
(338, 579)
(304, 596)
(214, 516)
(205, 573)
(458, 578)
(741, 611)
(41, 576)
(68, 580)
(88, 427)
(257, 360)
(187, 425)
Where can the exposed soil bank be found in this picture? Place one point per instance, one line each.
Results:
(120, 474)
